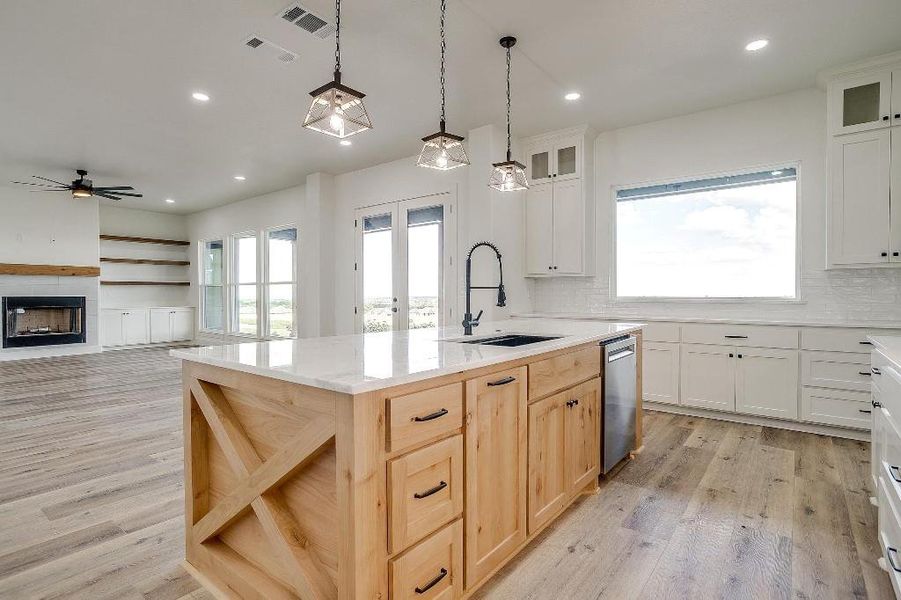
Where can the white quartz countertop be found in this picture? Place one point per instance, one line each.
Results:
(889, 345)
(354, 364)
(675, 319)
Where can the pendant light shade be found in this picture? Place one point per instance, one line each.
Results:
(509, 175)
(337, 110)
(443, 151)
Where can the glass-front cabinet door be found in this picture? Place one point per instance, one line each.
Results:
(541, 164)
(861, 103)
(567, 163)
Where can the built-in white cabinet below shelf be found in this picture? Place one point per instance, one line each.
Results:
(135, 326)
(559, 213)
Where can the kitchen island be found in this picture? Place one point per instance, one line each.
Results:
(388, 465)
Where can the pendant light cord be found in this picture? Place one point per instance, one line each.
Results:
(508, 105)
(337, 39)
(443, 50)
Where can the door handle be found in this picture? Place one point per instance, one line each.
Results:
(503, 381)
(422, 590)
(430, 491)
(431, 417)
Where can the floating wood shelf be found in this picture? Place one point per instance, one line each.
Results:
(52, 270)
(108, 282)
(145, 261)
(143, 240)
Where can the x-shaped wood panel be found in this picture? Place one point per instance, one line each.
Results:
(257, 488)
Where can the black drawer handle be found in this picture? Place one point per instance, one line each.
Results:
(865, 343)
(434, 415)
(735, 337)
(503, 381)
(864, 411)
(895, 471)
(876, 371)
(571, 403)
(441, 575)
(867, 373)
(890, 552)
(876, 404)
(430, 491)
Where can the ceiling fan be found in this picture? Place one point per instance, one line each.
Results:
(83, 188)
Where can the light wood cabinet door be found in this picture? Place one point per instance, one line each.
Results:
(495, 459)
(660, 372)
(548, 490)
(569, 225)
(766, 382)
(583, 454)
(859, 198)
(540, 229)
(708, 377)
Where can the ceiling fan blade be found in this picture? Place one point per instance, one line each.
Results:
(119, 193)
(96, 193)
(110, 188)
(52, 180)
(52, 187)
(48, 190)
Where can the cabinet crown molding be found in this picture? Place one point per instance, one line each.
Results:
(824, 76)
(581, 130)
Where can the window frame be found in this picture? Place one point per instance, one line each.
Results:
(233, 284)
(202, 285)
(615, 298)
(266, 282)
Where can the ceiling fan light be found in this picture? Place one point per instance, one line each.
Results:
(508, 176)
(337, 110)
(81, 193)
(443, 151)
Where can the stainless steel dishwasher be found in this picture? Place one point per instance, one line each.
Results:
(618, 400)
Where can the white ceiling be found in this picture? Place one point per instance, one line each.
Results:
(106, 84)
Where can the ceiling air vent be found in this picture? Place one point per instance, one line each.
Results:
(307, 20)
(265, 47)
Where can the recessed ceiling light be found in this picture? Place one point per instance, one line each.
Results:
(201, 96)
(573, 96)
(240, 178)
(170, 201)
(757, 45)
(346, 143)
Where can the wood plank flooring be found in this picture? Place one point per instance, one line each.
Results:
(91, 502)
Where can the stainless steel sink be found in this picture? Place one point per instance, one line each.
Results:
(509, 340)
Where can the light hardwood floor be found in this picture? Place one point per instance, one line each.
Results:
(91, 502)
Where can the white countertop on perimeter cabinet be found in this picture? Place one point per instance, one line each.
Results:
(354, 364)
(889, 345)
(775, 322)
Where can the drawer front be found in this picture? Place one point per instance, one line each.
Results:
(836, 339)
(563, 371)
(661, 332)
(425, 491)
(836, 407)
(431, 570)
(836, 370)
(421, 416)
(890, 460)
(887, 384)
(890, 533)
(758, 336)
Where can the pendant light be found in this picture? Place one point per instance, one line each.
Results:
(510, 175)
(443, 151)
(337, 110)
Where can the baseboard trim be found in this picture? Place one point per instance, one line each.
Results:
(852, 434)
(8, 354)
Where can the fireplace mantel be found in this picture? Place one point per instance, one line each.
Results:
(51, 270)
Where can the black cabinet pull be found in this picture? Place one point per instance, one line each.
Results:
(503, 381)
(441, 575)
(889, 552)
(876, 371)
(865, 343)
(867, 373)
(735, 337)
(571, 403)
(434, 415)
(430, 491)
(875, 403)
(896, 253)
(740, 356)
(731, 355)
(898, 115)
(895, 472)
(864, 411)
(883, 254)
(885, 118)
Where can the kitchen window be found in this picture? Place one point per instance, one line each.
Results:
(729, 237)
(245, 288)
(280, 286)
(212, 288)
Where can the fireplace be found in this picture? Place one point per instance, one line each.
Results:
(43, 321)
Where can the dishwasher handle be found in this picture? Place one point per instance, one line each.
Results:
(620, 354)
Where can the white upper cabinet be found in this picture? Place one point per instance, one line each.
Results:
(559, 215)
(859, 198)
(896, 97)
(895, 192)
(861, 102)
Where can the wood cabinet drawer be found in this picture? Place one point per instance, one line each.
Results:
(836, 407)
(836, 339)
(425, 491)
(421, 416)
(563, 371)
(836, 370)
(431, 570)
(756, 336)
(661, 332)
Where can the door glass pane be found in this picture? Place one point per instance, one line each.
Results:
(281, 310)
(246, 309)
(860, 104)
(540, 165)
(213, 307)
(377, 273)
(566, 161)
(425, 240)
(282, 254)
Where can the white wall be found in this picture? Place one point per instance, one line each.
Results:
(779, 129)
(50, 228)
(120, 220)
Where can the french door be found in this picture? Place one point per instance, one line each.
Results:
(405, 272)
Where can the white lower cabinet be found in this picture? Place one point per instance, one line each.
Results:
(171, 324)
(836, 407)
(766, 382)
(660, 372)
(708, 377)
(123, 327)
